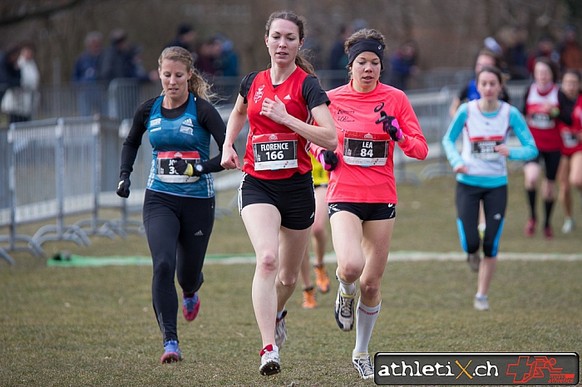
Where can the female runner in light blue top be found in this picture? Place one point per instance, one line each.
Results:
(178, 209)
(481, 170)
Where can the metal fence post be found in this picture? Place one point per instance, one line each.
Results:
(13, 238)
(59, 231)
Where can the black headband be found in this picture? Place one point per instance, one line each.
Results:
(371, 45)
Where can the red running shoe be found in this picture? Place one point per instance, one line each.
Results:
(548, 232)
(190, 307)
(530, 228)
(172, 352)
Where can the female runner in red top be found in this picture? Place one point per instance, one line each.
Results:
(276, 197)
(541, 110)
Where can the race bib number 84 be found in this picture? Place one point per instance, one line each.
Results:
(365, 149)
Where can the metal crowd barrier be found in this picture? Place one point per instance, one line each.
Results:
(117, 99)
(54, 171)
(59, 168)
(53, 166)
(139, 176)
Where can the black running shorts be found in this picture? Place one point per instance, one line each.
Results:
(293, 197)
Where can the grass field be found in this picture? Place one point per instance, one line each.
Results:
(94, 326)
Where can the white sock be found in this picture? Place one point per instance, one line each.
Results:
(366, 317)
(345, 287)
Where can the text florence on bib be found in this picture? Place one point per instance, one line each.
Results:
(275, 151)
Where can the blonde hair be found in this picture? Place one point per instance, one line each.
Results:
(196, 84)
(291, 16)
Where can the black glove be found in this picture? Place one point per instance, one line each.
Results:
(185, 168)
(328, 159)
(123, 185)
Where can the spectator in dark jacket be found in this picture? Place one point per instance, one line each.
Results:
(86, 75)
(185, 37)
(403, 65)
(9, 70)
(118, 58)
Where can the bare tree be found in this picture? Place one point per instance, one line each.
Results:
(16, 11)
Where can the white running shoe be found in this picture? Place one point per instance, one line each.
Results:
(344, 310)
(270, 363)
(568, 226)
(281, 330)
(481, 303)
(364, 365)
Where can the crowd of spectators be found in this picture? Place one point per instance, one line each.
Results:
(119, 60)
(215, 56)
(510, 43)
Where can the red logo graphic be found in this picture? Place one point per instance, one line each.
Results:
(543, 368)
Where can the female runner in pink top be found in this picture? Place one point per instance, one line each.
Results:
(370, 118)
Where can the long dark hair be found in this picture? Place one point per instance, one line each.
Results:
(494, 70)
(291, 16)
(552, 65)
